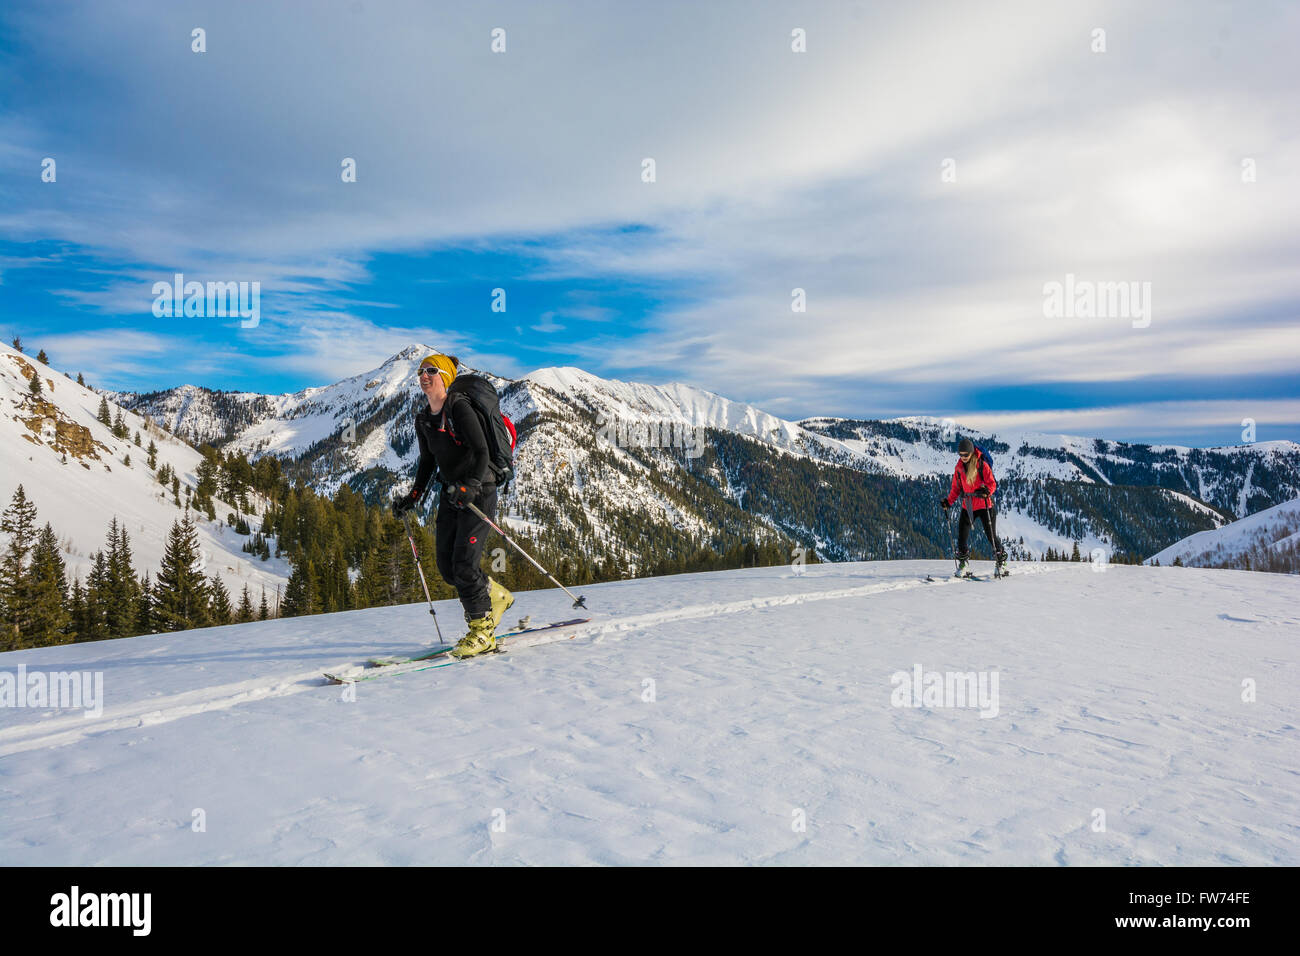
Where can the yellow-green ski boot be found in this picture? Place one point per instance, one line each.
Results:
(501, 601)
(479, 640)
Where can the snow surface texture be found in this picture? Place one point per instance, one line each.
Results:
(1277, 527)
(1120, 690)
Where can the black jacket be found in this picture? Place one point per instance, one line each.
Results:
(453, 444)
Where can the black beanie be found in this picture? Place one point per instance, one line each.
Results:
(966, 445)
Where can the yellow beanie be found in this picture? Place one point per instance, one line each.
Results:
(444, 364)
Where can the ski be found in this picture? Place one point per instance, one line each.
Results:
(401, 668)
(438, 652)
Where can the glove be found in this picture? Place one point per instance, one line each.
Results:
(981, 493)
(945, 504)
(404, 503)
(462, 492)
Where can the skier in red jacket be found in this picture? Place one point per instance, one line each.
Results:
(973, 481)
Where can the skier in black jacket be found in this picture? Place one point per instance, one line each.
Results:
(453, 445)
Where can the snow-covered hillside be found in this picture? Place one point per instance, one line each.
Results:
(747, 717)
(74, 469)
(1272, 533)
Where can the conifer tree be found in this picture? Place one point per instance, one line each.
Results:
(153, 455)
(80, 381)
(144, 607)
(42, 357)
(263, 612)
(103, 414)
(50, 618)
(245, 612)
(97, 588)
(180, 599)
(121, 589)
(77, 609)
(300, 596)
(219, 610)
(16, 587)
(34, 386)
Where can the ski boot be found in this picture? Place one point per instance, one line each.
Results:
(501, 601)
(963, 568)
(1000, 570)
(479, 640)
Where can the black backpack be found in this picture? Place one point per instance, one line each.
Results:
(497, 428)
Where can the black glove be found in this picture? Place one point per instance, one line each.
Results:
(944, 503)
(404, 503)
(981, 492)
(462, 492)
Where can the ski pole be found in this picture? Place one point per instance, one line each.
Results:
(577, 601)
(952, 537)
(410, 536)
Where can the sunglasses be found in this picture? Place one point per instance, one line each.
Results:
(428, 370)
(964, 454)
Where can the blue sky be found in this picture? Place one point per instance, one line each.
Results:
(775, 170)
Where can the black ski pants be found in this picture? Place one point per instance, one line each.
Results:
(462, 536)
(988, 519)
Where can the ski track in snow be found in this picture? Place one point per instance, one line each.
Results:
(770, 693)
(152, 711)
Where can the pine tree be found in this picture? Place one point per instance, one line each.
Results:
(97, 589)
(219, 611)
(16, 585)
(77, 609)
(34, 386)
(1075, 556)
(80, 381)
(180, 599)
(263, 612)
(300, 596)
(103, 415)
(144, 607)
(17, 343)
(153, 455)
(42, 357)
(121, 589)
(244, 613)
(50, 618)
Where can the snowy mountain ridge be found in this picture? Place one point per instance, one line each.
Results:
(584, 443)
(1268, 540)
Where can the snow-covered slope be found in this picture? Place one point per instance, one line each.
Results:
(74, 470)
(748, 717)
(1273, 533)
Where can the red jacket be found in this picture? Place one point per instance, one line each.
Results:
(983, 479)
